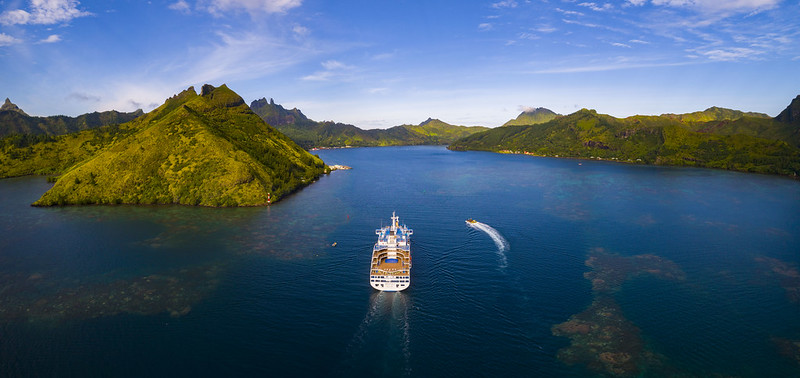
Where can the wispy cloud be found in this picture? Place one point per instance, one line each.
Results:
(713, 5)
(83, 97)
(619, 64)
(597, 8)
(505, 4)
(568, 12)
(219, 7)
(53, 38)
(333, 69)
(732, 54)
(7, 40)
(485, 26)
(301, 31)
(617, 44)
(44, 12)
(180, 6)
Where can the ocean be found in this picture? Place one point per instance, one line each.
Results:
(578, 268)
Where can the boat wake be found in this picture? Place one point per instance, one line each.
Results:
(382, 342)
(499, 240)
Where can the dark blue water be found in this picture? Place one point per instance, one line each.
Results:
(163, 290)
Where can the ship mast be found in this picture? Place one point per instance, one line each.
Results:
(395, 222)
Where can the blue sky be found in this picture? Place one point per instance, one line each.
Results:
(382, 63)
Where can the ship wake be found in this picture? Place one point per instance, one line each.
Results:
(382, 341)
(499, 240)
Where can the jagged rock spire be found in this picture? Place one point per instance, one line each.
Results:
(10, 106)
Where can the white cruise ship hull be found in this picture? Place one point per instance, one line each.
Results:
(390, 268)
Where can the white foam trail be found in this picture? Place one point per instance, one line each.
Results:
(400, 310)
(499, 240)
(376, 305)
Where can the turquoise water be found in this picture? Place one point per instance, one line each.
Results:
(134, 291)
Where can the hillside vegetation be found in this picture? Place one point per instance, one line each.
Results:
(533, 117)
(207, 150)
(14, 121)
(749, 143)
(310, 134)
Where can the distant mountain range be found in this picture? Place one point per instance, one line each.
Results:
(716, 138)
(208, 149)
(15, 121)
(311, 134)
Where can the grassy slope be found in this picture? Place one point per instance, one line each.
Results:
(208, 150)
(537, 116)
(645, 139)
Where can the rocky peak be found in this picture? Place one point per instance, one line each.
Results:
(11, 107)
(789, 115)
(427, 121)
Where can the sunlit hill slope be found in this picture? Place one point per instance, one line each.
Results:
(715, 138)
(208, 149)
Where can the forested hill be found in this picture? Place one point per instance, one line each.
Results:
(14, 121)
(533, 116)
(208, 149)
(749, 143)
(309, 134)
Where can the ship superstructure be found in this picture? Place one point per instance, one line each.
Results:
(390, 269)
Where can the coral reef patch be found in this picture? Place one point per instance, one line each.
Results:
(36, 298)
(601, 338)
(786, 273)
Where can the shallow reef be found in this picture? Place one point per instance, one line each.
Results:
(36, 298)
(601, 338)
(787, 274)
(610, 271)
(788, 348)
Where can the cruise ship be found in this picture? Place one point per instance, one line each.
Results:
(390, 269)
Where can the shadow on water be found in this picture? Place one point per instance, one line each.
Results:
(381, 345)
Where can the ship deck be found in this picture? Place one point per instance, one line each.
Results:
(383, 265)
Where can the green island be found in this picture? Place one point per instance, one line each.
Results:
(312, 134)
(715, 138)
(208, 149)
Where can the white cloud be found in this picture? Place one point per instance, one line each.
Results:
(301, 31)
(714, 5)
(180, 6)
(732, 54)
(334, 65)
(53, 38)
(217, 7)
(639, 41)
(7, 40)
(485, 27)
(597, 8)
(569, 12)
(504, 4)
(44, 12)
(332, 69)
(620, 45)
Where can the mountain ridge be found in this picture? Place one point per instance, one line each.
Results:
(748, 143)
(14, 120)
(312, 134)
(208, 150)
